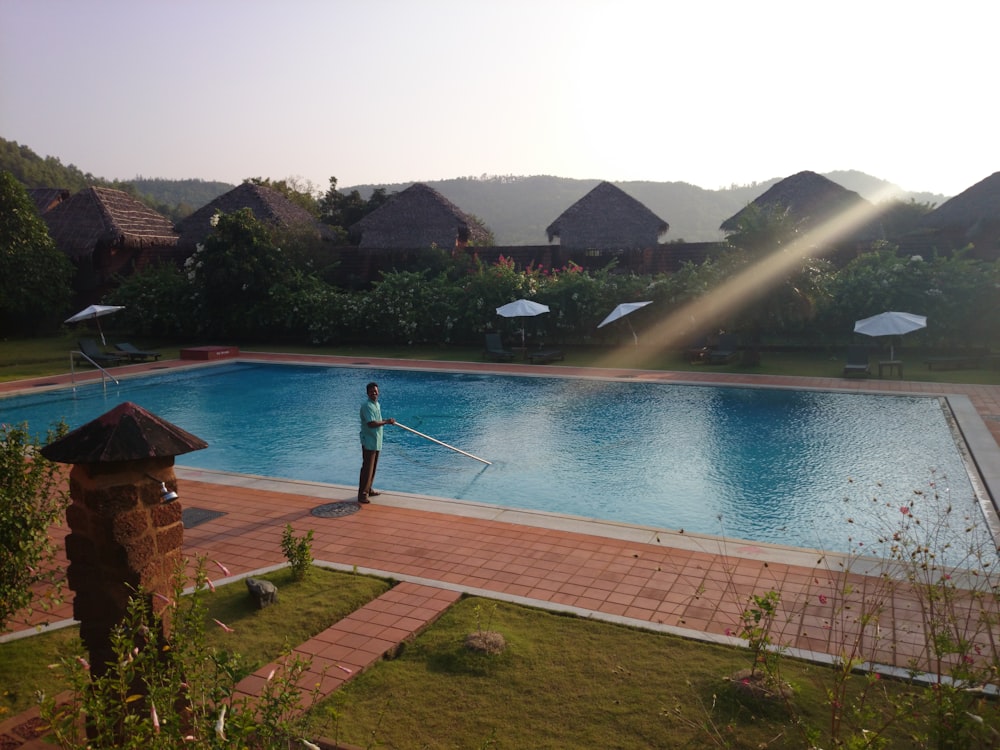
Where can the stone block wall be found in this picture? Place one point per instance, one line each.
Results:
(122, 539)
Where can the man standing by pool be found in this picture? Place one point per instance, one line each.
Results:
(371, 442)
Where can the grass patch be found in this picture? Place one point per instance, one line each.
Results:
(305, 608)
(29, 358)
(568, 682)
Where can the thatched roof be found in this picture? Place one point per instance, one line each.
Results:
(102, 217)
(607, 218)
(126, 433)
(268, 206)
(971, 218)
(46, 199)
(809, 198)
(418, 217)
(979, 203)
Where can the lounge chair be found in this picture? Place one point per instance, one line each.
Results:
(697, 350)
(136, 355)
(94, 353)
(725, 350)
(494, 349)
(857, 361)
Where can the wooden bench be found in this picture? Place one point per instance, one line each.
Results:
(968, 361)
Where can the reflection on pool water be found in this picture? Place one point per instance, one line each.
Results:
(772, 465)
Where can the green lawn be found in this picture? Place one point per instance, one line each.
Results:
(562, 682)
(306, 608)
(27, 358)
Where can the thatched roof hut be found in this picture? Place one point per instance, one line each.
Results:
(607, 218)
(45, 199)
(977, 203)
(108, 233)
(971, 217)
(419, 217)
(268, 206)
(101, 220)
(809, 198)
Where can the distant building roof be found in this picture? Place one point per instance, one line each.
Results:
(971, 217)
(809, 198)
(102, 217)
(267, 205)
(607, 218)
(46, 199)
(418, 217)
(973, 205)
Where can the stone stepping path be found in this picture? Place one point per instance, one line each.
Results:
(367, 635)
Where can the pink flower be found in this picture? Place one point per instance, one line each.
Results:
(729, 631)
(904, 509)
(822, 598)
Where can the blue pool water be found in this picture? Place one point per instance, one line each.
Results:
(773, 465)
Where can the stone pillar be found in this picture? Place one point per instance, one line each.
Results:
(122, 539)
(125, 536)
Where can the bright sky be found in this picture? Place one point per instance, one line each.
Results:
(710, 92)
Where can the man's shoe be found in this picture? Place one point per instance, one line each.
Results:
(374, 493)
(363, 501)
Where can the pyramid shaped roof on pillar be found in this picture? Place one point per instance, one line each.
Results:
(126, 433)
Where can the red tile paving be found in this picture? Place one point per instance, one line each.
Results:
(695, 586)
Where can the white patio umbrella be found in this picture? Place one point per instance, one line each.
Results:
(621, 311)
(522, 308)
(890, 324)
(95, 312)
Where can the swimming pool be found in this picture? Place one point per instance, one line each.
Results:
(773, 465)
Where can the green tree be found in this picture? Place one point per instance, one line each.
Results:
(35, 276)
(247, 286)
(32, 498)
(233, 272)
(341, 211)
(159, 302)
(297, 191)
(782, 283)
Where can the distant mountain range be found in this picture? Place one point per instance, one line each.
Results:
(518, 209)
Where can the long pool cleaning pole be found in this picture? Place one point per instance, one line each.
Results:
(435, 440)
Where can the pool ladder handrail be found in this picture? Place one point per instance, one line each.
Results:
(104, 373)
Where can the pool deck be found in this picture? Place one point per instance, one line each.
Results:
(666, 580)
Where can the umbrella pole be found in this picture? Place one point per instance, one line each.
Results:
(634, 337)
(435, 440)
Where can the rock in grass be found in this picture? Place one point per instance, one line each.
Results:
(263, 592)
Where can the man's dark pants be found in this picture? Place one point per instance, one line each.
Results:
(369, 462)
